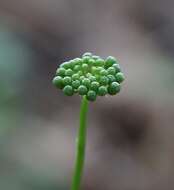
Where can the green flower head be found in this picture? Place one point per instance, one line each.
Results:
(89, 76)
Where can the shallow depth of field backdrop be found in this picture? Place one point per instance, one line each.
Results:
(130, 136)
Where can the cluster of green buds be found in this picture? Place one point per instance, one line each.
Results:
(89, 76)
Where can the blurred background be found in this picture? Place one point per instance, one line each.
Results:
(130, 136)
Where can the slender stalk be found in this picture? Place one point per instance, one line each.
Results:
(81, 144)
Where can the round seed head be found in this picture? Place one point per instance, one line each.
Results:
(102, 91)
(58, 82)
(90, 76)
(76, 84)
(67, 80)
(82, 90)
(119, 77)
(114, 88)
(91, 95)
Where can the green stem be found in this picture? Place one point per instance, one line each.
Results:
(81, 144)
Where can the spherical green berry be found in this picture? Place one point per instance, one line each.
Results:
(75, 76)
(102, 90)
(99, 62)
(91, 62)
(111, 70)
(114, 88)
(92, 78)
(60, 71)
(68, 90)
(69, 72)
(77, 68)
(65, 65)
(82, 77)
(91, 95)
(110, 61)
(104, 80)
(103, 72)
(72, 63)
(85, 67)
(82, 90)
(97, 78)
(76, 84)
(98, 69)
(80, 73)
(58, 82)
(94, 86)
(111, 78)
(88, 75)
(93, 70)
(87, 54)
(77, 61)
(86, 59)
(119, 77)
(117, 67)
(67, 80)
(86, 82)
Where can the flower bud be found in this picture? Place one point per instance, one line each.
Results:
(58, 82)
(67, 80)
(119, 77)
(114, 88)
(102, 90)
(82, 90)
(68, 90)
(91, 95)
